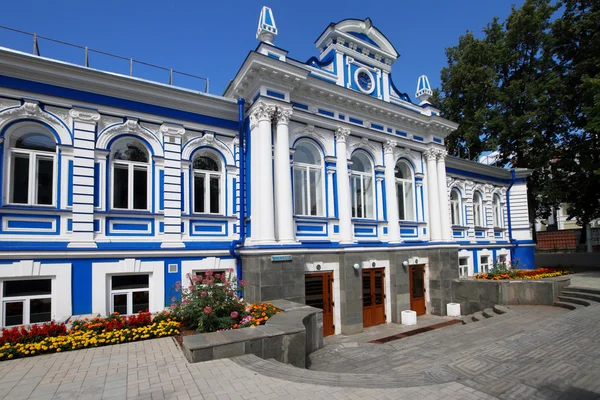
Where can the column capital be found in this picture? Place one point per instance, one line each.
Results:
(341, 134)
(172, 130)
(263, 111)
(84, 115)
(389, 146)
(283, 115)
(430, 154)
(441, 155)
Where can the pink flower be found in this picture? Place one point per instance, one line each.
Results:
(242, 282)
(207, 310)
(209, 273)
(173, 306)
(218, 276)
(186, 301)
(177, 286)
(234, 314)
(203, 294)
(191, 287)
(230, 270)
(173, 299)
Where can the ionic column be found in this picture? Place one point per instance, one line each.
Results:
(343, 186)
(283, 179)
(391, 196)
(435, 231)
(172, 135)
(262, 215)
(443, 196)
(84, 133)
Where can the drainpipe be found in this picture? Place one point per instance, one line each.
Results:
(510, 236)
(236, 244)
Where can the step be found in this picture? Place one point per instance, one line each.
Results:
(498, 309)
(488, 313)
(581, 289)
(575, 300)
(581, 295)
(478, 316)
(567, 305)
(467, 320)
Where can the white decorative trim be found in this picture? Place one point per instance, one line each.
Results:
(208, 139)
(130, 126)
(84, 115)
(172, 130)
(31, 110)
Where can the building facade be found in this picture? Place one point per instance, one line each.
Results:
(318, 182)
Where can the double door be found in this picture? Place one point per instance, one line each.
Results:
(373, 295)
(318, 290)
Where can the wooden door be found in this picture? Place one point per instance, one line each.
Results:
(417, 289)
(318, 289)
(373, 293)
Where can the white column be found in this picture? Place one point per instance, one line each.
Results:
(84, 133)
(283, 179)
(330, 188)
(172, 135)
(391, 196)
(262, 217)
(435, 231)
(343, 186)
(443, 196)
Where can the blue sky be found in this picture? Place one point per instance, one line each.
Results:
(211, 39)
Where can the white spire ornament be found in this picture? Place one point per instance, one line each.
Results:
(424, 91)
(267, 30)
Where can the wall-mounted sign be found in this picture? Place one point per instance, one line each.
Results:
(281, 258)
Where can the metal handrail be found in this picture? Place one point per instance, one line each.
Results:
(87, 50)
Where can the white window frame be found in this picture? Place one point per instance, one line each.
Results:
(403, 183)
(359, 177)
(478, 220)
(497, 211)
(456, 206)
(33, 156)
(128, 292)
(26, 300)
(305, 197)
(463, 269)
(207, 175)
(484, 268)
(131, 167)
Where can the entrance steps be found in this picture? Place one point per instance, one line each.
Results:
(574, 297)
(485, 314)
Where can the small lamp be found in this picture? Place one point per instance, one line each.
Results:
(356, 267)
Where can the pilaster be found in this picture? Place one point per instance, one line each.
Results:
(443, 196)
(343, 186)
(435, 229)
(391, 195)
(172, 135)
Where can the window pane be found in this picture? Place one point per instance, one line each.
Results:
(299, 192)
(45, 171)
(141, 301)
(13, 313)
(120, 282)
(29, 287)
(20, 181)
(205, 163)
(368, 186)
(306, 153)
(36, 141)
(400, 195)
(40, 310)
(199, 193)
(120, 303)
(214, 194)
(131, 151)
(315, 192)
(140, 189)
(121, 186)
(409, 199)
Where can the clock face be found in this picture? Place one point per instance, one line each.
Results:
(364, 81)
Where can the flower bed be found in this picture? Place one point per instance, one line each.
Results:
(54, 338)
(212, 303)
(522, 274)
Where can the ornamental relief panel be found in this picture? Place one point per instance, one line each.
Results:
(323, 136)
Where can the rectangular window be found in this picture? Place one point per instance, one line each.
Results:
(45, 177)
(214, 194)
(27, 301)
(400, 195)
(368, 195)
(20, 181)
(121, 186)
(199, 193)
(463, 267)
(140, 188)
(314, 184)
(130, 293)
(300, 206)
(484, 262)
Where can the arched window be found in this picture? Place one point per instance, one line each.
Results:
(31, 166)
(308, 180)
(478, 210)
(405, 192)
(497, 208)
(361, 186)
(130, 166)
(207, 183)
(455, 205)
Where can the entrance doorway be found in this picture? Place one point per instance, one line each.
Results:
(417, 288)
(373, 294)
(318, 290)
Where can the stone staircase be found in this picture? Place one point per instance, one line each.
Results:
(485, 314)
(574, 297)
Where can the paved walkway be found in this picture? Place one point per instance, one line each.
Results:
(590, 279)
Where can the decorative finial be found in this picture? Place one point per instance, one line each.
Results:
(267, 30)
(424, 91)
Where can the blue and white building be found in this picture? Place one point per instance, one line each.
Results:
(315, 181)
